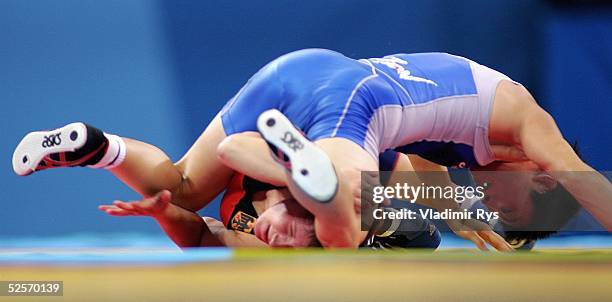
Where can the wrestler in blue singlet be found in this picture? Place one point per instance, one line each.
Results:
(435, 105)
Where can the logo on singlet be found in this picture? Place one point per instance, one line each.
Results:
(52, 140)
(243, 222)
(399, 66)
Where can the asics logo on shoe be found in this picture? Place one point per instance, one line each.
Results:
(52, 140)
(292, 142)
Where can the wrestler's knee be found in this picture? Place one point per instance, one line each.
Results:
(225, 148)
(234, 145)
(185, 193)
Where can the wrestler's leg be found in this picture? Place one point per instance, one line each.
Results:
(325, 177)
(249, 154)
(194, 180)
(147, 169)
(337, 222)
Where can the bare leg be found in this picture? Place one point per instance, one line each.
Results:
(337, 223)
(259, 164)
(249, 154)
(147, 169)
(194, 180)
(325, 178)
(344, 211)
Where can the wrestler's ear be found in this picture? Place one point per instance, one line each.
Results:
(543, 183)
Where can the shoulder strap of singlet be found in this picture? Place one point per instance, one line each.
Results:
(234, 193)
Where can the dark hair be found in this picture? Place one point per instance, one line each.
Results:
(552, 211)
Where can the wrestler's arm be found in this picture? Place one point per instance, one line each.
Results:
(184, 227)
(423, 169)
(249, 154)
(475, 231)
(422, 173)
(543, 144)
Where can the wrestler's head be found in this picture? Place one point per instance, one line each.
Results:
(286, 224)
(530, 202)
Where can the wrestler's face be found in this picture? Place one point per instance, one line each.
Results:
(509, 188)
(286, 224)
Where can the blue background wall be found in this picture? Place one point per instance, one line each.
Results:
(577, 74)
(160, 70)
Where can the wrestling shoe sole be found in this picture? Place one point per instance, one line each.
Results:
(311, 169)
(37, 145)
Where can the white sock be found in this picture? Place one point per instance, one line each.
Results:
(115, 153)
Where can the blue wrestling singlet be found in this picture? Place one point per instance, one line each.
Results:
(435, 105)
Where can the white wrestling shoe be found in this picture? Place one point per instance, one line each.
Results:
(311, 169)
(34, 150)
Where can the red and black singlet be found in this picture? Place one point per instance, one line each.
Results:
(237, 211)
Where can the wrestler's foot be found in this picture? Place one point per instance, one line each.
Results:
(75, 144)
(311, 169)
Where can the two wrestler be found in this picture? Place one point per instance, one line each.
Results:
(444, 108)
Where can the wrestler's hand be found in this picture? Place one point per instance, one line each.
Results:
(479, 233)
(150, 206)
